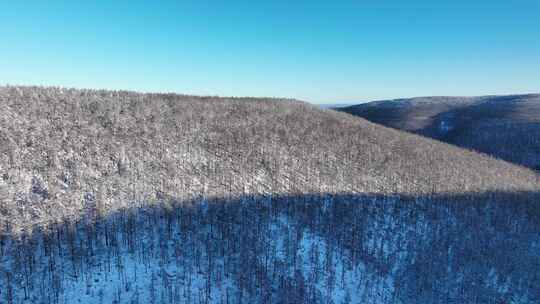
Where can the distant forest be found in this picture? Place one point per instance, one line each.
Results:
(506, 127)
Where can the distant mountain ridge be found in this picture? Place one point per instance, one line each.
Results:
(333, 105)
(506, 127)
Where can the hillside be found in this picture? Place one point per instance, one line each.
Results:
(507, 127)
(123, 197)
(65, 149)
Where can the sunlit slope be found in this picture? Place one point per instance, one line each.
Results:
(63, 150)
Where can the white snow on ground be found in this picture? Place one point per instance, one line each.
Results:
(256, 253)
(445, 126)
(139, 277)
(335, 276)
(140, 283)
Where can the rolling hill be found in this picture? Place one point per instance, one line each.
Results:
(507, 127)
(123, 197)
(68, 148)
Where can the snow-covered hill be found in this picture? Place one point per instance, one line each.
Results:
(121, 197)
(63, 151)
(507, 127)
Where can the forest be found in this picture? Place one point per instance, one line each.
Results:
(124, 197)
(289, 249)
(505, 126)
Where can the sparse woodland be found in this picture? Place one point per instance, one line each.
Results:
(122, 197)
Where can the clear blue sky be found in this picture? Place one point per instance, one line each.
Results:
(319, 51)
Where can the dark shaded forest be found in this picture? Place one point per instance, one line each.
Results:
(470, 248)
